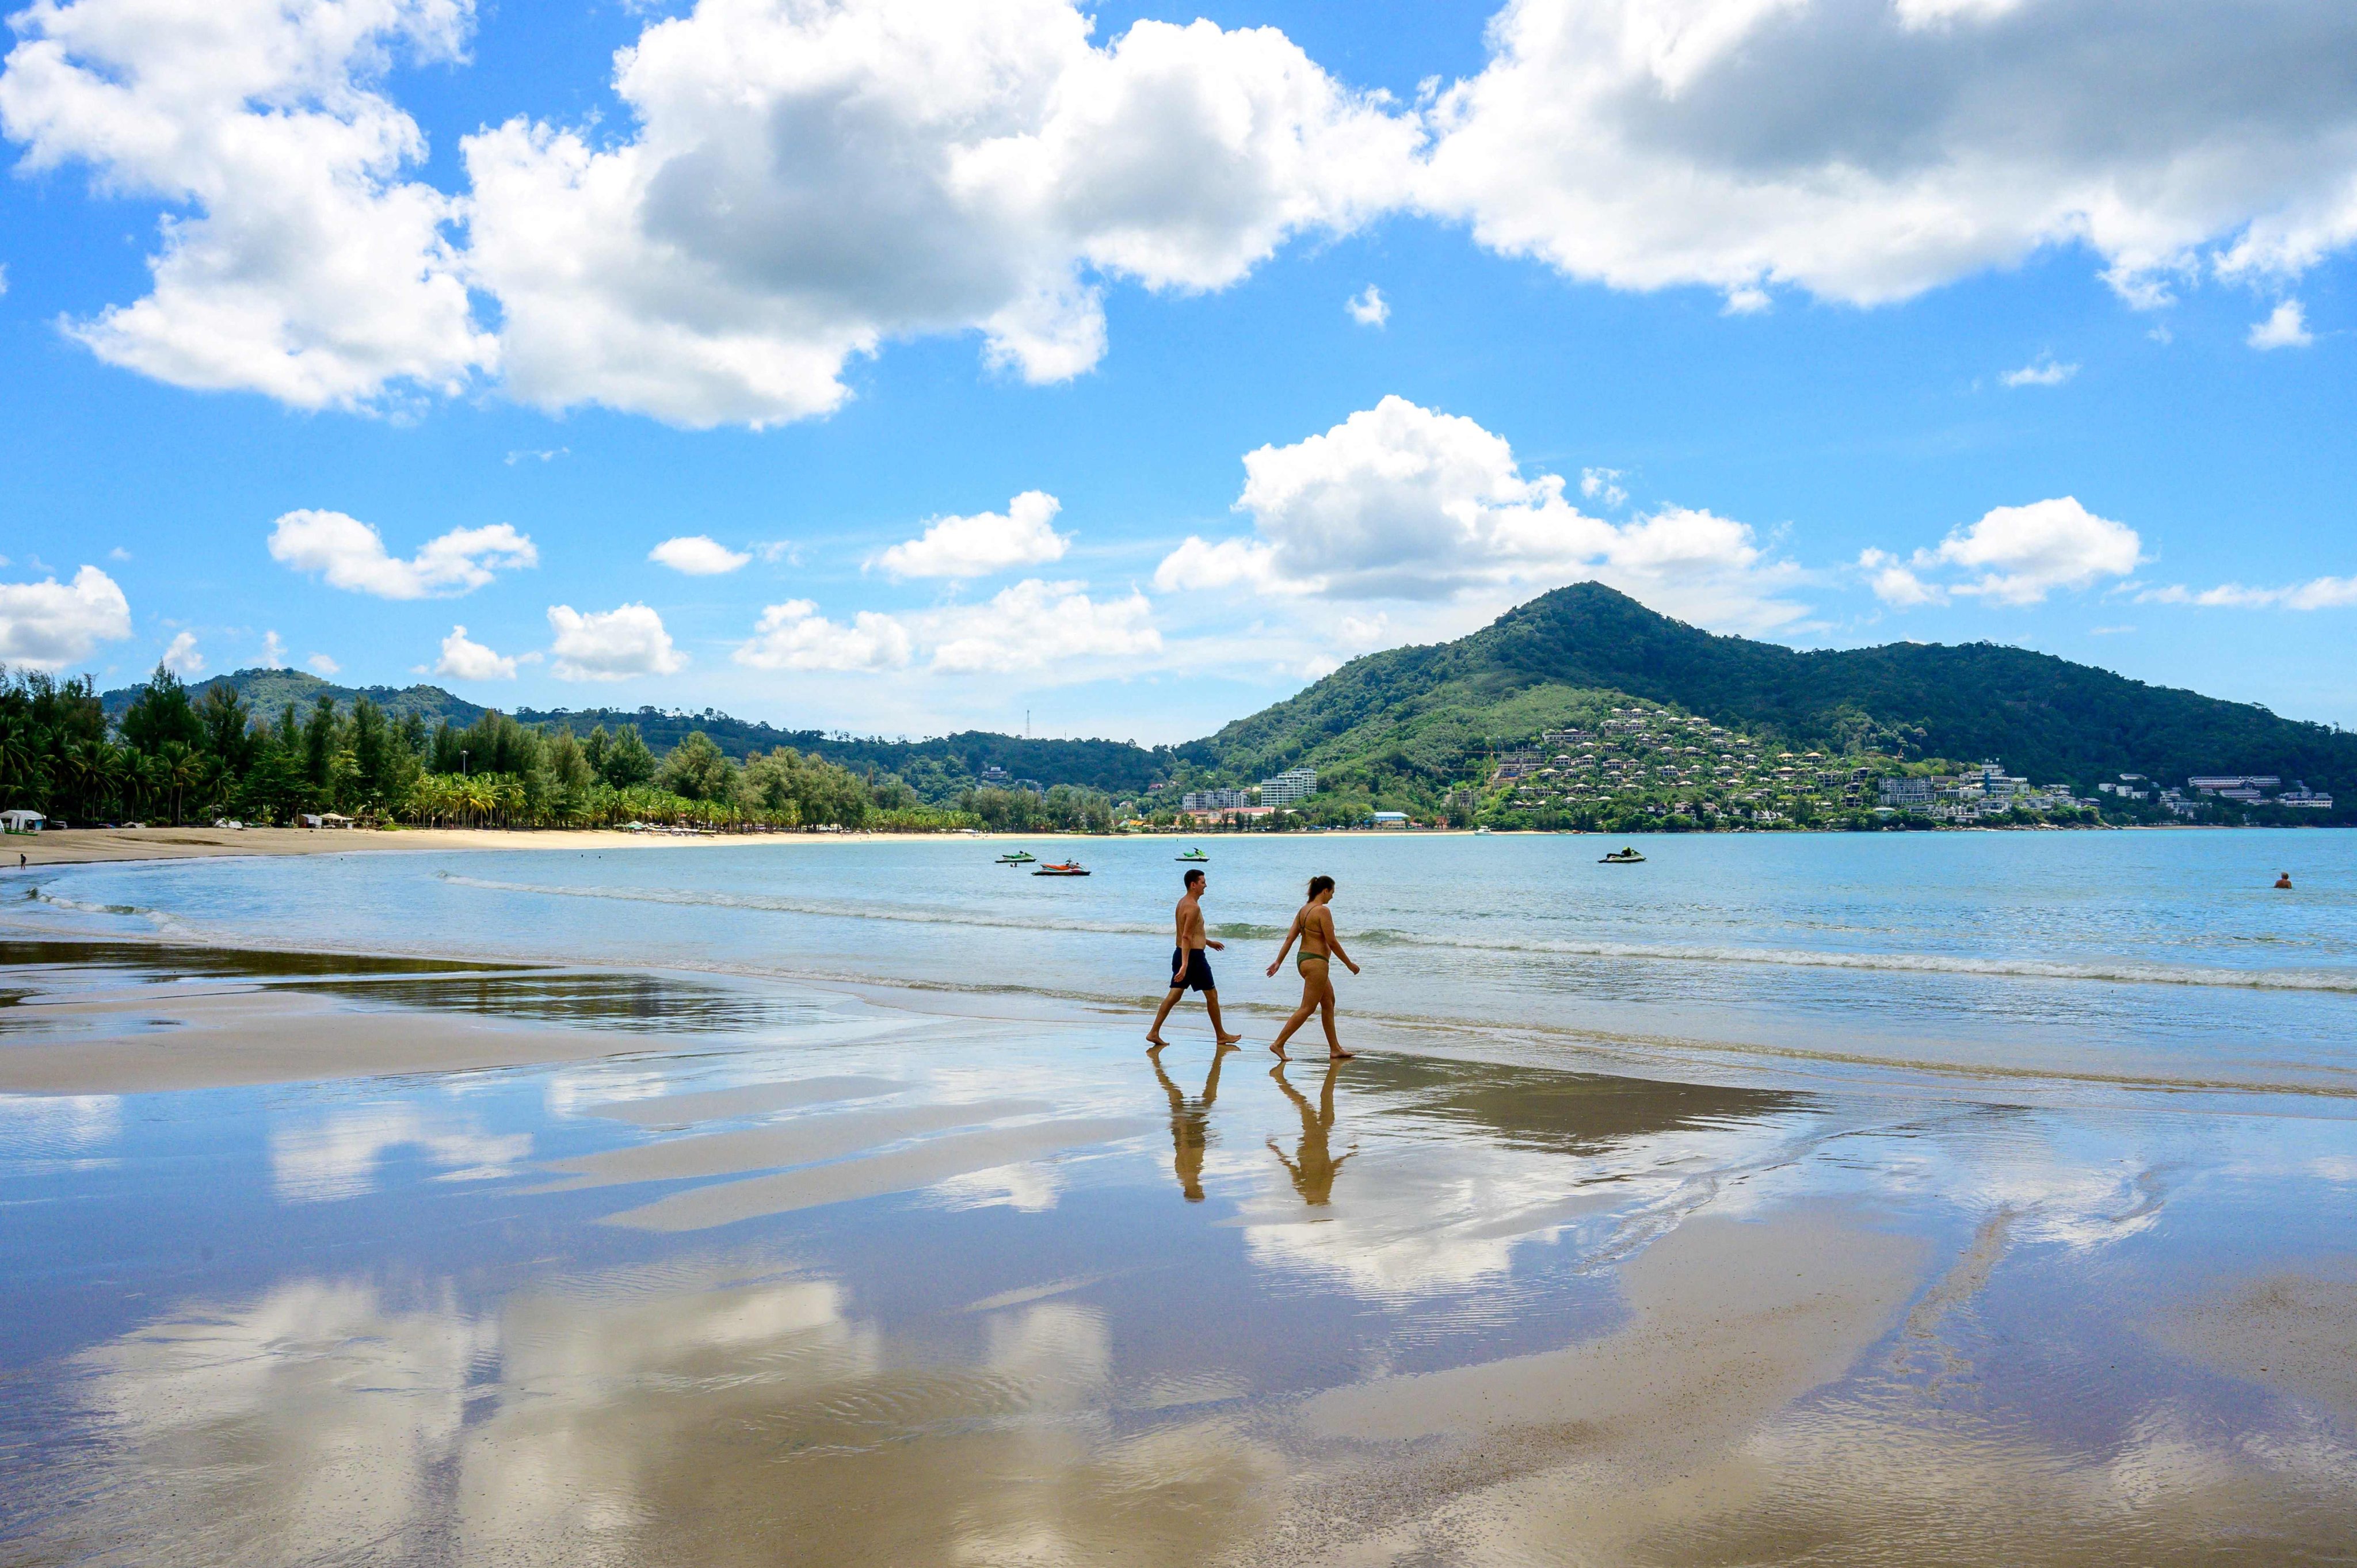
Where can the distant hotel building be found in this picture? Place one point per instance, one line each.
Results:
(1293, 784)
(1216, 799)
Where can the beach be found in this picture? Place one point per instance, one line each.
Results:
(761, 1205)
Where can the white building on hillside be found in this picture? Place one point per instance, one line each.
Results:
(1294, 784)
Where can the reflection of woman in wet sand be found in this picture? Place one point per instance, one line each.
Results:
(1190, 1125)
(1314, 1170)
(1314, 928)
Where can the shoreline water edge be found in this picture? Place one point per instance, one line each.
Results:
(450, 1246)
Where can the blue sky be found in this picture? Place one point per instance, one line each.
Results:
(1833, 321)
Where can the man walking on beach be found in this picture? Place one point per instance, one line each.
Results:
(1189, 968)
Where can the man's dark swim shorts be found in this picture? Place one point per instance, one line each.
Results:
(1191, 971)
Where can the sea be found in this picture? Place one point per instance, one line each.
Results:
(2163, 960)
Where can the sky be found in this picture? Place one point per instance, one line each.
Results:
(910, 366)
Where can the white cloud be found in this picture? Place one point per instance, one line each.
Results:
(2285, 328)
(1368, 308)
(1894, 583)
(2041, 372)
(611, 645)
(2316, 594)
(1602, 484)
(464, 659)
(351, 555)
(986, 542)
(794, 635)
(182, 658)
(273, 651)
(2013, 555)
(1401, 502)
(2025, 552)
(298, 262)
(322, 665)
(803, 182)
(1867, 152)
(49, 624)
(1034, 624)
(697, 555)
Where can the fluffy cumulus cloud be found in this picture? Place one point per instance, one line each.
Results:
(466, 660)
(794, 635)
(297, 260)
(697, 555)
(988, 541)
(48, 625)
(2013, 555)
(1368, 308)
(1402, 502)
(351, 555)
(1037, 625)
(1866, 150)
(182, 658)
(2285, 327)
(807, 178)
(1034, 627)
(322, 664)
(611, 645)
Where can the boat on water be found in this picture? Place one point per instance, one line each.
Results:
(1621, 857)
(1481, 833)
(1194, 857)
(1017, 857)
(1069, 868)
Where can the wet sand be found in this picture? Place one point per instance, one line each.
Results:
(323, 1259)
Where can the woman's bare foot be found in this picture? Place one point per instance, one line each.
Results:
(1279, 1050)
(1227, 1040)
(1341, 1055)
(1155, 1043)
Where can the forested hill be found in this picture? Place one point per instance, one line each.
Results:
(1418, 712)
(1113, 765)
(938, 767)
(267, 691)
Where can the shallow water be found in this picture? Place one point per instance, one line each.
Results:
(2148, 958)
(777, 1271)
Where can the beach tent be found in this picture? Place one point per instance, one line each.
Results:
(22, 821)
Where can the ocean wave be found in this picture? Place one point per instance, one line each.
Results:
(2115, 972)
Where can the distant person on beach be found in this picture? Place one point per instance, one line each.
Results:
(1189, 968)
(1314, 928)
(1314, 1167)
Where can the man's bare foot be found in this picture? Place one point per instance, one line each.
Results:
(1227, 1040)
(1279, 1050)
(1341, 1055)
(1155, 1043)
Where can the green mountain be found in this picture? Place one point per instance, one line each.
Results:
(1416, 716)
(267, 691)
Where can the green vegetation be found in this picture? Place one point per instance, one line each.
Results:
(1581, 708)
(1420, 728)
(180, 756)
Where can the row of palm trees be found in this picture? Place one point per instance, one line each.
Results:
(99, 780)
(508, 800)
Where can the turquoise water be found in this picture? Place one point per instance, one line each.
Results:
(2148, 958)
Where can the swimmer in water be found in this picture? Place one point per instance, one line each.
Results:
(2284, 881)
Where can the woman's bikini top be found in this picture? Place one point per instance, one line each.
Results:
(1309, 933)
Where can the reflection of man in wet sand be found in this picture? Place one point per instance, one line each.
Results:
(1189, 968)
(1314, 1170)
(1190, 1125)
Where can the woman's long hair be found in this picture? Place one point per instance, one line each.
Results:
(1321, 885)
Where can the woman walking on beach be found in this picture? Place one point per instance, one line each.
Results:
(1314, 929)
